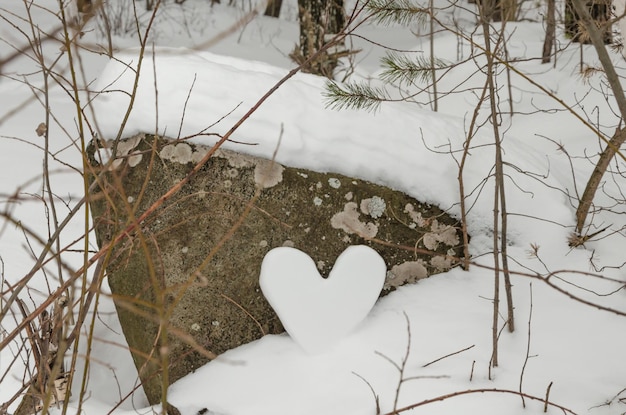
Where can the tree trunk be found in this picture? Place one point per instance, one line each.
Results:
(273, 8)
(619, 138)
(548, 42)
(319, 20)
(504, 10)
(601, 167)
(497, 10)
(600, 12)
(84, 6)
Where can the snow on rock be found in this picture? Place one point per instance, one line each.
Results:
(200, 92)
(316, 312)
(201, 96)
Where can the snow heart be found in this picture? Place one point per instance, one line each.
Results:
(318, 312)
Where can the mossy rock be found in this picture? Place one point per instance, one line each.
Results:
(185, 265)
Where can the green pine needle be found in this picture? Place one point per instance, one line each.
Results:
(354, 96)
(400, 68)
(402, 12)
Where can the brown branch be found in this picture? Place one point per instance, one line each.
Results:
(530, 316)
(477, 391)
(619, 137)
(595, 179)
(546, 402)
(448, 355)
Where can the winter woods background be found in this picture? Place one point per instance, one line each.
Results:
(519, 107)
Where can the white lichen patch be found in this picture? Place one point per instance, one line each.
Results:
(349, 222)
(415, 216)
(306, 176)
(334, 183)
(289, 243)
(349, 196)
(441, 263)
(184, 249)
(130, 199)
(405, 273)
(431, 241)
(374, 206)
(124, 147)
(195, 327)
(236, 160)
(321, 265)
(232, 173)
(317, 201)
(263, 244)
(135, 158)
(177, 153)
(268, 173)
(198, 154)
(167, 151)
(440, 234)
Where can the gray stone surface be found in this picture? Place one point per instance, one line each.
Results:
(182, 265)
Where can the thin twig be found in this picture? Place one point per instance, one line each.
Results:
(448, 355)
(369, 385)
(480, 391)
(546, 401)
(530, 316)
(239, 306)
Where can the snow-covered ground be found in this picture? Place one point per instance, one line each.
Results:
(560, 344)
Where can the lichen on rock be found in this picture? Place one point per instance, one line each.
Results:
(374, 206)
(348, 220)
(440, 234)
(442, 263)
(177, 153)
(124, 148)
(406, 273)
(268, 173)
(334, 182)
(415, 216)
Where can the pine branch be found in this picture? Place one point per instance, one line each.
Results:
(404, 69)
(402, 12)
(354, 96)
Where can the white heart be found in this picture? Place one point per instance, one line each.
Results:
(318, 312)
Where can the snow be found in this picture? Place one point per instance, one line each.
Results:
(211, 92)
(574, 347)
(295, 124)
(316, 312)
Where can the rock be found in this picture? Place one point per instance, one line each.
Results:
(185, 266)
